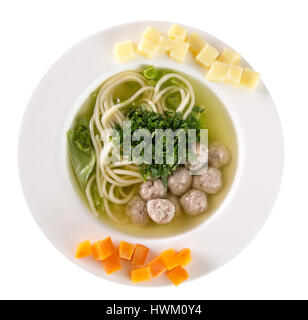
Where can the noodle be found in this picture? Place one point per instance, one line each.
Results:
(113, 178)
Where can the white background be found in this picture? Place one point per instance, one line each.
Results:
(271, 35)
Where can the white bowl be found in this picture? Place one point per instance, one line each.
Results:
(53, 200)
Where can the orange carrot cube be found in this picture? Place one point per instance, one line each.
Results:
(83, 250)
(157, 266)
(107, 247)
(184, 257)
(177, 275)
(126, 250)
(103, 249)
(141, 274)
(140, 254)
(170, 260)
(112, 264)
(97, 251)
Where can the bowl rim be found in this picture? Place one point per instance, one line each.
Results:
(136, 65)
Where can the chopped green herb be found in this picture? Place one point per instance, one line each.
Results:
(198, 109)
(141, 118)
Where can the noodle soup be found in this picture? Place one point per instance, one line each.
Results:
(108, 189)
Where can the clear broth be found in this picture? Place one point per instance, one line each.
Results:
(220, 128)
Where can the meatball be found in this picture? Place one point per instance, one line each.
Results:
(219, 155)
(175, 200)
(209, 182)
(200, 158)
(180, 181)
(137, 211)
(161, 211)
(152, 189)
(194, 202)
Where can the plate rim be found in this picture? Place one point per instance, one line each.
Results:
(27, 110)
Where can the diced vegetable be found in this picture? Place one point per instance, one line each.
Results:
(179, 51)
(165, 44)
(177, 275)
(250, 78)
(218, 71)
(157, 266)
(169, 258)
(124, 51)
(196, 42)
(140, 254)
(177, 44)
(147, 47)
(126, 250)
(107, 247)
(105, 252)
(112, 264)
(229, 56)
(151, 33)
(97, 251)
(235, 74)
(184, 257)
(140, 275)
(103, 249)
(83, 250)
(207, 55)
(177, 32)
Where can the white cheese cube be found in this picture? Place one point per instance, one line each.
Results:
(147, 47)
(229, 56)
(218, 71)
(250, 78)
(124, 51)
(177, 32)
(179, 51)
(151, 34)
(235, 74)
(165, 44)
(196, 42)
(207, 55)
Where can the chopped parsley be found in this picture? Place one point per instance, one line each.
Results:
(141, 118)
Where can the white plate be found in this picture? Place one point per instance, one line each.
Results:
(54, 202)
